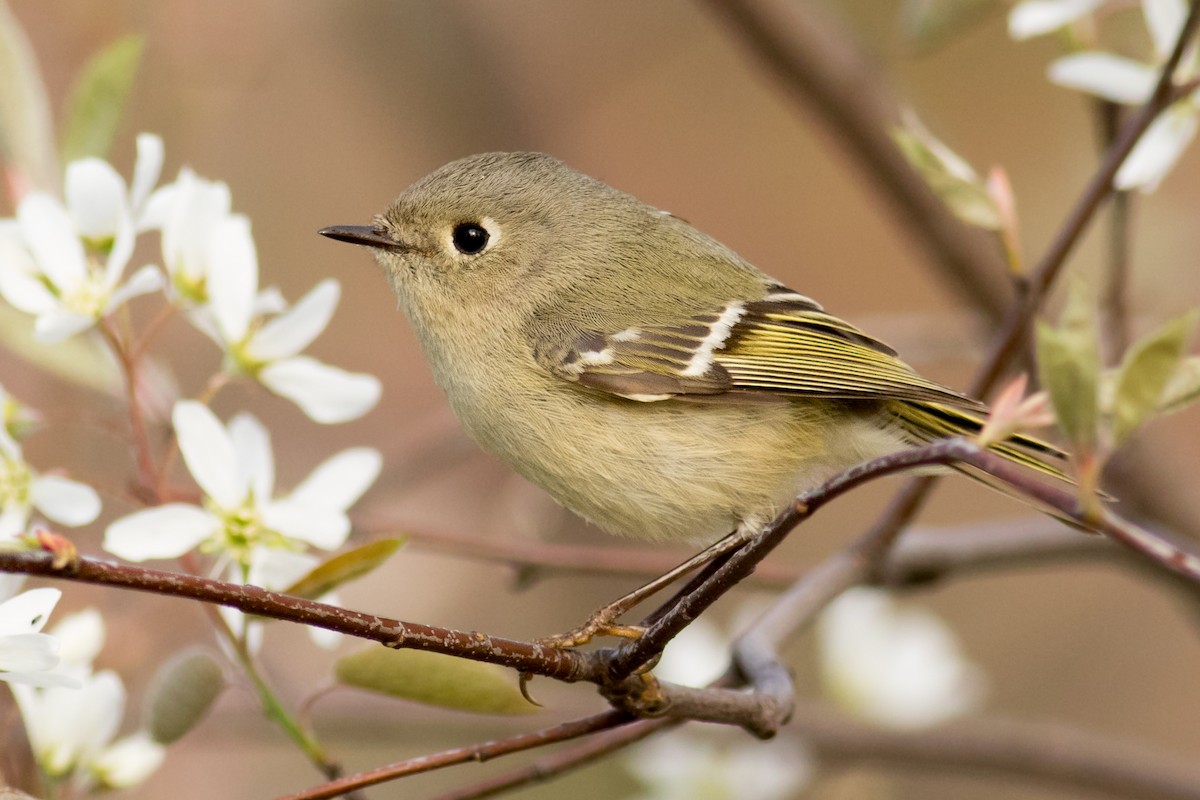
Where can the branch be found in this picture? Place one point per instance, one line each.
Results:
(629, 657)
(551, 766)
(818, 65)
(461, 755)
(550, 662)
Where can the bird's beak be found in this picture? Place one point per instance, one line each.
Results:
(366, 235)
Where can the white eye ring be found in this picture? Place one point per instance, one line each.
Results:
(470, 238)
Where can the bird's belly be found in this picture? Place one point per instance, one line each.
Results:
(675, 469)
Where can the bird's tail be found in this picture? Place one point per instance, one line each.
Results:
(927, 422)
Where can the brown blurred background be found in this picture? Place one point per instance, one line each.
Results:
(318, 113)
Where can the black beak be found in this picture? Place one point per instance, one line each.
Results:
(366, 235)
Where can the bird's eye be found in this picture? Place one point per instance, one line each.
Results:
(470, 238)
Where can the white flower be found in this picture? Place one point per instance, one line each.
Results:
(1123, 80)
(1031, 18)
(69, 726)
(26, 654)
(64, 263)
(62, 500)
(187, 212)
(127, 761)
(210, 255)
(899, 667)
(684, 766)
(71, 729)
(235, 468)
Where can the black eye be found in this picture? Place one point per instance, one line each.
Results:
(470, 238)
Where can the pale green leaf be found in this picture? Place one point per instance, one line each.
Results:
(1145, 371)
(98, 99)
(26, 127)
(344, 567)
(949, 177)
(181, 693)
(1184, 387)
(1069, 368)
(82, 360)
(435, 679)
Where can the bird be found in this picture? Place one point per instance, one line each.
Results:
(642, 373)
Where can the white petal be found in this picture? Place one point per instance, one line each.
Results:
(291, 332)
(22, 290)
(339, 481)
(208, 453)
(27, 652)
(12, 520)
(128, 761)
(162, 532)
(50, 236)
(1159, 148)
(28, 611)
(97, 718)
(159, 207)
(275, 569)
(320, 527)
(326, 394)
(81, 637)
(232, 277)
(1164, 19)
(146, 280)
(65, 501)
(55, 326)
(146, 170)
(270, 301)
(252, 449)
(1036, 17)
(42, 679)
(1115, 78)
(95, 197)
(122, 249)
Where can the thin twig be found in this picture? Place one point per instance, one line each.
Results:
(461, 755)
(563, 761)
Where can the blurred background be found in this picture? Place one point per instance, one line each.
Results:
(319, 113)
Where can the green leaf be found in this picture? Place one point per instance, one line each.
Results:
(1069, 367)
(82, 360)
(1145, 372)
(26, 128)
(181, 693)
(1184, 387)
(435, 679)
(98, 99)
(345, 567)
(949, 176)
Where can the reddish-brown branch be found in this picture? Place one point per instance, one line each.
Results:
(461, 755)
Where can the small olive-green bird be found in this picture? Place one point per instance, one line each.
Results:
(644, 374)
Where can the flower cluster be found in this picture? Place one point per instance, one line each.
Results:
(65, 263)
(1124, 80)
(71, 723)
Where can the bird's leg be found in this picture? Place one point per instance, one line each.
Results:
(604, 621)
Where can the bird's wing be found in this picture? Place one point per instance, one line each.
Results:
(783, 344)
